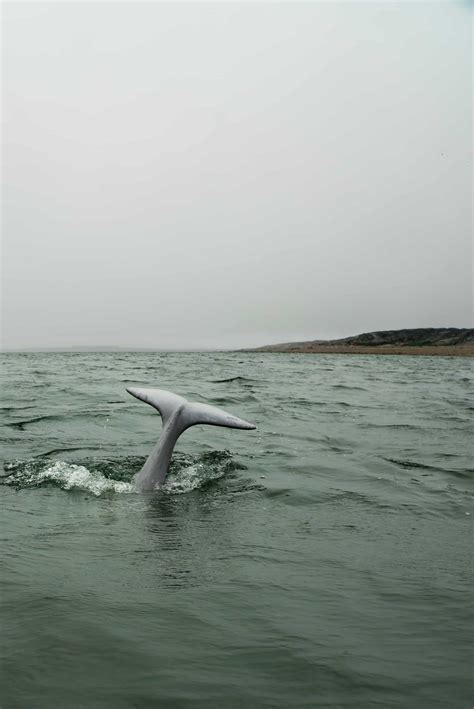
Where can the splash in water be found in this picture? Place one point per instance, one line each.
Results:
(103, 476)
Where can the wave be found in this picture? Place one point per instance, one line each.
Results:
(16, 407)
(233, 400)
(346, 386)
(24, 422)
(410, 464)
(232, 379)
(413, 465)
(55, 451)
(60, 417)
(413, 426)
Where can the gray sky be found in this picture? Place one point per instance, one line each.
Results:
(225, 175)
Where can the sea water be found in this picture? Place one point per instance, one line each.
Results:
(323, 560)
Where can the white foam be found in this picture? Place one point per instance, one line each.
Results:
(77, 477)
(70, 476)
(190, 478)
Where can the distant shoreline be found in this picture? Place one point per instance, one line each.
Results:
(424, 341)
(428, 342)
(427, 351)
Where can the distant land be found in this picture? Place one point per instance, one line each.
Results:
(99, 348)
(444, 341)
(447, 341)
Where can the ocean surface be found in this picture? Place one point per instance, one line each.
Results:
(323, 560)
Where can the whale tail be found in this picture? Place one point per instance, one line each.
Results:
(192, 413)
(165, 402)
(177, 415)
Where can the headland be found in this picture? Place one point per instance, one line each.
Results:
(428, 341)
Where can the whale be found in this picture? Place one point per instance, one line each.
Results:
(177, 415)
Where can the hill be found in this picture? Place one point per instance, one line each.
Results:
(427, 341)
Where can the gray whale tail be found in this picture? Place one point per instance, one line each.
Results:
(177, 415)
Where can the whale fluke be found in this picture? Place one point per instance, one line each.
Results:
(165, 402)
(177, 415)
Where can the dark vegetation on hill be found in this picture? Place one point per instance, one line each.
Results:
(417, 337)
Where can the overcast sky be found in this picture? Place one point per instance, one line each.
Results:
(226, 175)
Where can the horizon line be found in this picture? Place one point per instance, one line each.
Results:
(138, 348)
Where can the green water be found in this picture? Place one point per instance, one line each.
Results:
(323, 560)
